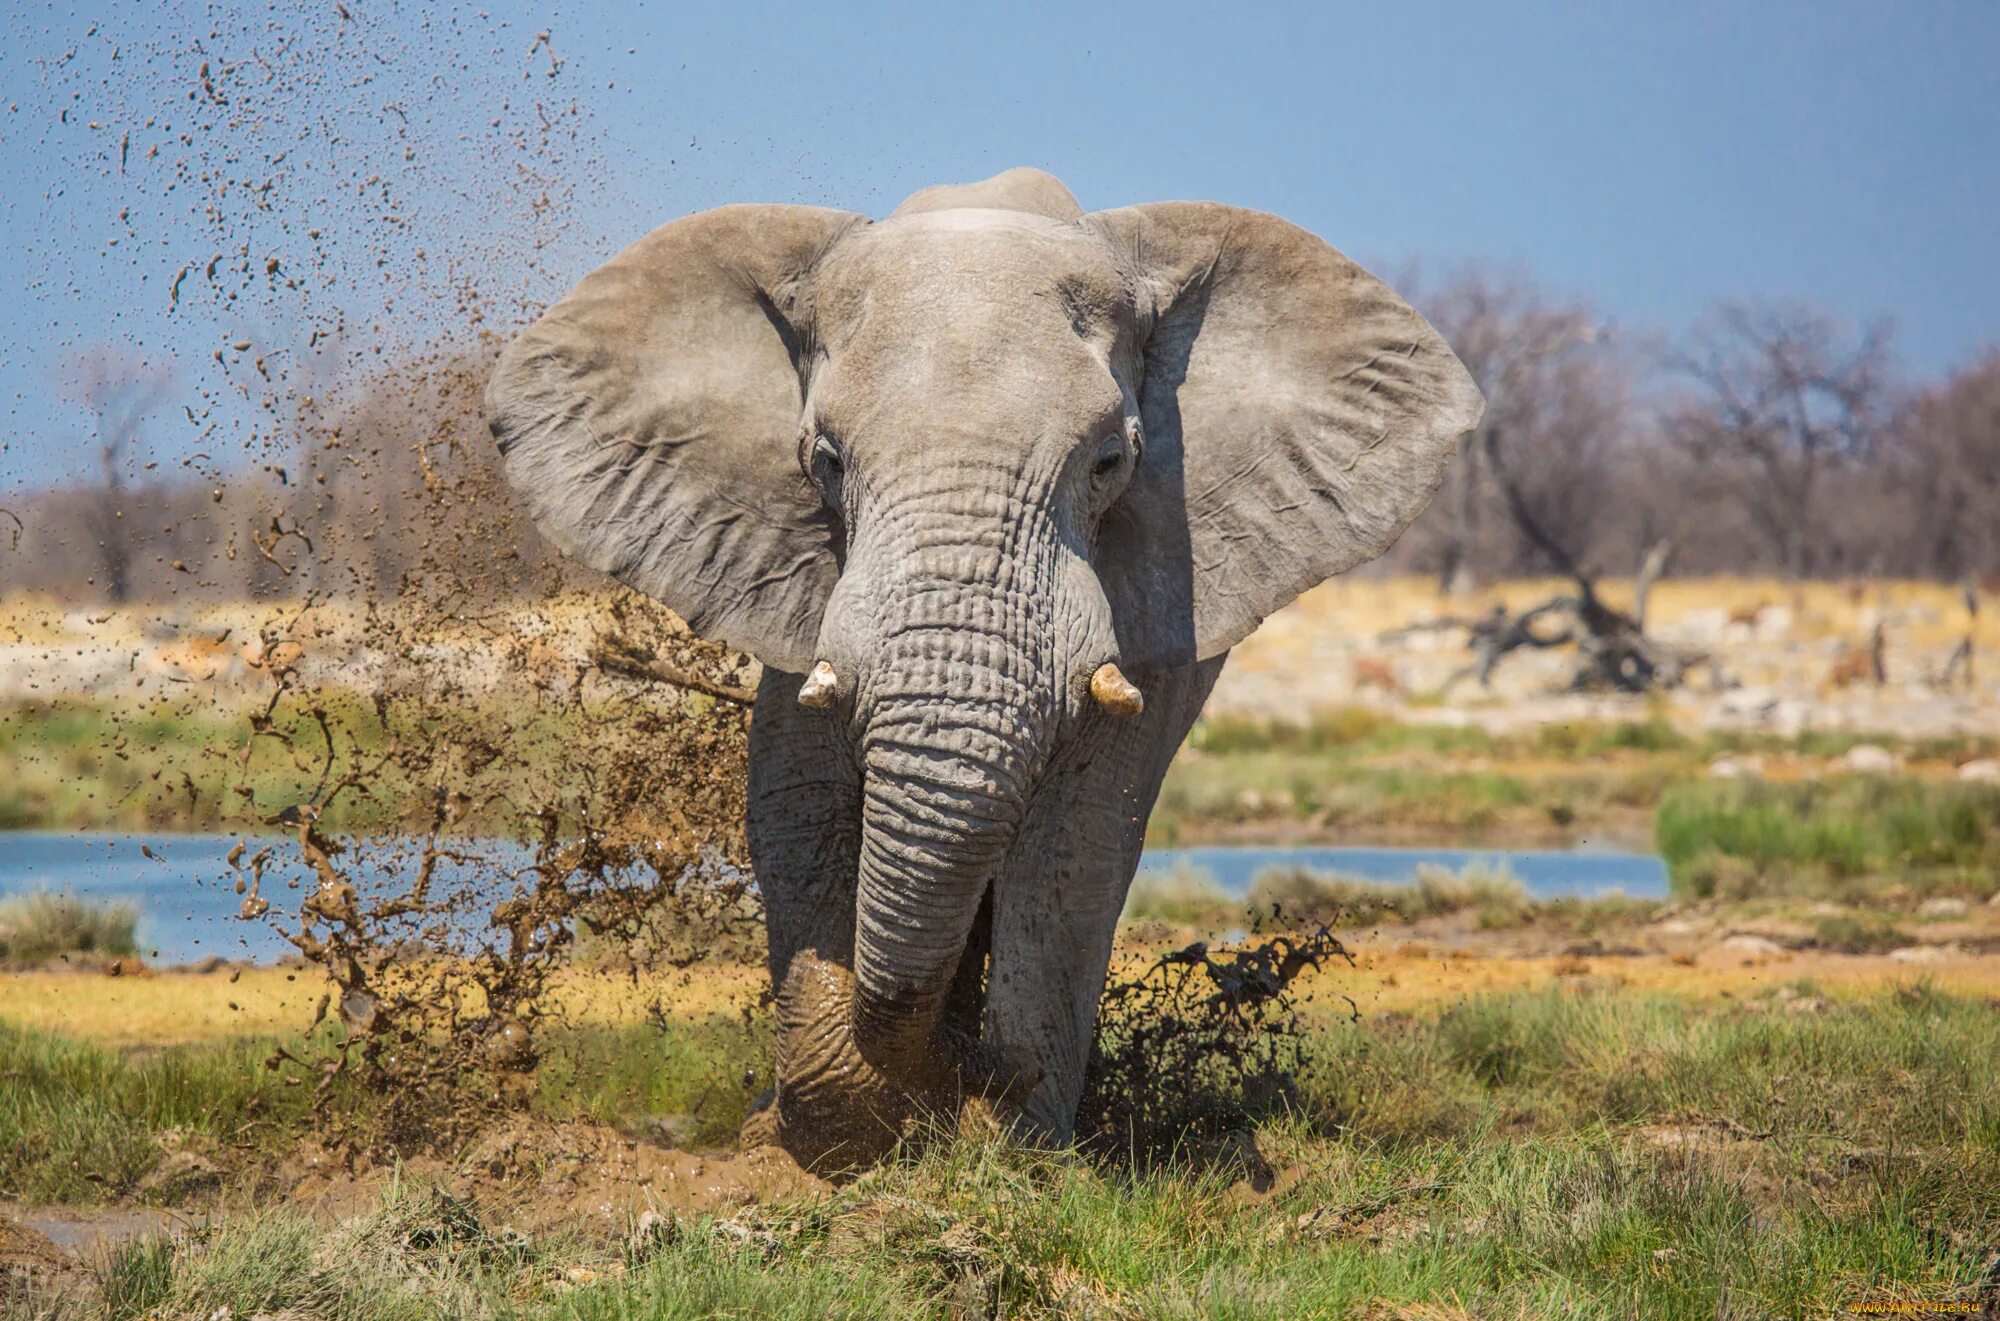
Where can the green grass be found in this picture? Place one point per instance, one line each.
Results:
(83, 1123)
(1529, 1154)
(1298, 895)
(81, 764)
(1842, 839)
(39, 927)
(1360, 775)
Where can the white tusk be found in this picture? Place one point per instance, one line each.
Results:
(818, 690)
(1115, 693)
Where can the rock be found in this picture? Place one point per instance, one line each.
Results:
(1919, 954)
(1985, 770)
(1750, 946)
(1943, 908)
(1736, 768)
(1870, 759)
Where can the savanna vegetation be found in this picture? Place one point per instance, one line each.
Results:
(1346, 774)
(42, 925)
(1586, 1151)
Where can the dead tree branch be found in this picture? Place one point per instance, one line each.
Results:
(1616, 655)
(614, 655)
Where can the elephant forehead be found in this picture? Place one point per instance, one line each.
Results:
(964, 264)
(990, 310)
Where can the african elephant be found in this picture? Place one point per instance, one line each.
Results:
(991, 487)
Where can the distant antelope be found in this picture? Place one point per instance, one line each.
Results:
(1958, 665)
(1374, 672)
(1748, 615)
(1855, 664)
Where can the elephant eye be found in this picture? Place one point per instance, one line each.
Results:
(826, 463)
(1110, 454)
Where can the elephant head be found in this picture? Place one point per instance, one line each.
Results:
(967, 472)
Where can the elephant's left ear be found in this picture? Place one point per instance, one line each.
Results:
(1297, 416)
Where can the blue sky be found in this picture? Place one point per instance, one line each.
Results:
(1652, 158)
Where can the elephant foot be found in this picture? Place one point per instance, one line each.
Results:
(1002, 1081)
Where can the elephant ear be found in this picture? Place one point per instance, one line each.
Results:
(650, 420)
(1297, 415)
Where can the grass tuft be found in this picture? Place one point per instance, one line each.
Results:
(1297, 894)
(39, 927)
(1834, 839)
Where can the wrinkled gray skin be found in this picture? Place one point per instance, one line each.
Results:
(967, 455)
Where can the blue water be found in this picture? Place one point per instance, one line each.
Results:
(185, 892)
(1544, 873)
(189, 908)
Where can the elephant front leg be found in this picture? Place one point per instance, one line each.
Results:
(1058, 898)
(829, 1109)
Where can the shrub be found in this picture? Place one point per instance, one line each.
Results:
(1300, 895)
(35, 928)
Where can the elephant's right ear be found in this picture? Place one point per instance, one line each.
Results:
(650, 420)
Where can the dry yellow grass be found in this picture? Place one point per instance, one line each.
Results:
(188, 1008)
(1412, 978)
(179, 1008)
(1934, 613)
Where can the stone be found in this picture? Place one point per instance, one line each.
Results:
(1750, 946)
(1870, 759)
(1984, 770)
(1943, 907)
(1736, 768)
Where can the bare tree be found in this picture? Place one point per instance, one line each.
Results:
(1945, 453)
(120, 392)
(1781, 399)
(1561, 391)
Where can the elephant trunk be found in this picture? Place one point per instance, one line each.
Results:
(942, 799)
(961, 703)
(961, 623)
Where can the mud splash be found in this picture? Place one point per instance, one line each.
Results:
(329, 218)
(1198, 1048)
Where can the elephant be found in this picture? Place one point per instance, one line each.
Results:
(990, 487)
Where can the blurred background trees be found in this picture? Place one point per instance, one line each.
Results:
(1769, 439)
